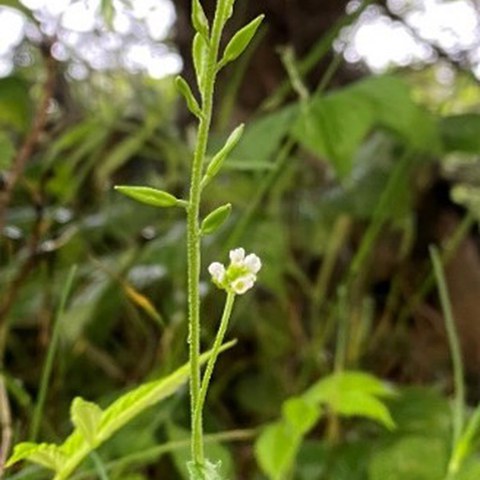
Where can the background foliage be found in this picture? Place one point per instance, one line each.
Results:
(340, 183)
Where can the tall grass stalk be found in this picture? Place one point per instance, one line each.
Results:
(52, 348)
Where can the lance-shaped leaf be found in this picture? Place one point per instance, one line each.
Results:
(215, 219)
(199, 54)
(217, 161)
(150, 196)
(86, 417)
(187, 94)
(199, 19)
(240, 41)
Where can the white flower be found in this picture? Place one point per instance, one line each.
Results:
(240, 275)
(237, 256)
(253, 263)
(242, 284)
(217, 271)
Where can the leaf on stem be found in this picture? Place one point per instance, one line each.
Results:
(184, 88)
(240, 41)
(199, 19)
(199, 54)
(45, 454)
(215, 219)
(216, 164)
(150, 196)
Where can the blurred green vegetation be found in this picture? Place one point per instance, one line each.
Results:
(327, 189)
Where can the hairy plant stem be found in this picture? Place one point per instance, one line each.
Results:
(222, 329)
(193, 227)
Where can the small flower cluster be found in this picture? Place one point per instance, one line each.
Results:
(240, 275)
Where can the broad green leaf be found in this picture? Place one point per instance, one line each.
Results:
(353, 394)
(300, 414)
(7, 151)
(199, 19)
(461, 133)
(184, 89)
(149, 196)
(217, 161)
(395, 109)
(44, 454)
(262, 137)
(199, 54)
(333, 127)
(216, 219)
(276, 449)
(86, 418)
(412, 457)
(240, 41)
(15, 104)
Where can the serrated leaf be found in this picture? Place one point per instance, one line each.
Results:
(240, 41)
(217, 161)
(199, 19)
(199, 54)
(215, 219)
(187, 94)
(86, 417)
(44, 454)
(149, 196)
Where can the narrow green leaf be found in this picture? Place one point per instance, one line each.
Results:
(216, 164)
(149, 196)
(45, 454)
(199, 54)
(199, 19)
(187, 94)
(86, 417)
(240, 41)
(215, 219)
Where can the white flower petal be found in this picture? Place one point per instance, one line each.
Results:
(253, 263)
(242, 284)
(237, 256)
(217, 271)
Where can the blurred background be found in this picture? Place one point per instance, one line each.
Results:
(361, 150)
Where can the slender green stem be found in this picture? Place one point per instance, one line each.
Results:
(227, 312)
(193, 224)
(454, 343)
(52, 348)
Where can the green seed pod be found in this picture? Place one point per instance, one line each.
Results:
(215, 219)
